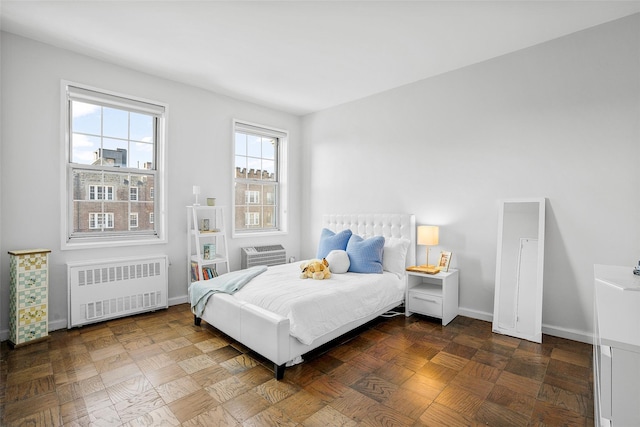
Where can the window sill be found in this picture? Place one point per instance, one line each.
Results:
(254, 234)
(75, 245)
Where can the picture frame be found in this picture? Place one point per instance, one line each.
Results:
(444, 261)
(209, 251)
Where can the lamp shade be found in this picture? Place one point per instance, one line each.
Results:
(428, 235)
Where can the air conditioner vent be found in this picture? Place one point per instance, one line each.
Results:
(263, 255)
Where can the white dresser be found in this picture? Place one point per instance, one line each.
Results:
(616, 351)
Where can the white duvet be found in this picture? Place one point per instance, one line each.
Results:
(316, 307)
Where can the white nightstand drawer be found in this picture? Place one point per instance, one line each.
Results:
(424, 303)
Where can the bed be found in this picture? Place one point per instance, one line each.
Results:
(263, 314)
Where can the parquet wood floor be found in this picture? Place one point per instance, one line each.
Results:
(160, 369)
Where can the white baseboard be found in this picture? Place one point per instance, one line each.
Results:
(178, 300)
(475, 314)
(62, 323)
(57, 324)
(556, 331)
(570, 334)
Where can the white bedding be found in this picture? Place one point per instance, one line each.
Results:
(316, 307)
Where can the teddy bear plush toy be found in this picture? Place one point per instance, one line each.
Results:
(315, 269)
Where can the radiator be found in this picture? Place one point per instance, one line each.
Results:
(263, 255)
(105, 289)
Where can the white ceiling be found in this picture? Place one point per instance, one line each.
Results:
(301, 56)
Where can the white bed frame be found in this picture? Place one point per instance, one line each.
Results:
(267, 333)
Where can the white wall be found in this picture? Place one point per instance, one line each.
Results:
(558, 120)
(198, 152)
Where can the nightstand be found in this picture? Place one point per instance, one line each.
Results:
(434, 295)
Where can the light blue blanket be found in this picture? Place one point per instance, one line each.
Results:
(225, 283)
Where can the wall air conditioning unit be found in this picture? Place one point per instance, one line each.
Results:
(263, 255)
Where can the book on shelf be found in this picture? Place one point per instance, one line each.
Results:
(195, 276)
(209, 272)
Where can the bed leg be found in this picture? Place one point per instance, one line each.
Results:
(279, 369)
(196, 320)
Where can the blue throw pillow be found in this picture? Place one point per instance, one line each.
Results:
(330, 241)
(365, 255)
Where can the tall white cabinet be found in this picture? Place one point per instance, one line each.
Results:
(28, 296)
(207, 250)
(616, 350)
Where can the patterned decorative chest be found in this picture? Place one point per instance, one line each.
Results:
(28, 295)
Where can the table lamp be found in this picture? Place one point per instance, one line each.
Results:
(428, 235)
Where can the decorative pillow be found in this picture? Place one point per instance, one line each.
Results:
(338, 261)
(394, 255)
(365, 256)
(330, 241)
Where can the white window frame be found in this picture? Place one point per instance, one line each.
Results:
(99, 219)
(106, 192)
(133, 194)
(251, 218)
(70, 90)
(133, 220)
(251, 197)
(282, 180)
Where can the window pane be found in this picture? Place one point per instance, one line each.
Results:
(113, 152)
(269, 194)
(254, 146)
(84, 149)
(269, 217)
(141, 156)
(253, 218)
(115, 123)
(241, 167)
(86, 118)
(141, 127)
(241, 144)
(253, 166)
(268, 148)
(269, 170)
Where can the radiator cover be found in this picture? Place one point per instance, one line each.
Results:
(100, 290)
(263, 255)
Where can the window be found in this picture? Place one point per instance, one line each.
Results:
(100, 220)
(251, 219)
(150, 217)
(114, 147)
(100, 192)
(133, 220)
(251, 197)
(259, 174)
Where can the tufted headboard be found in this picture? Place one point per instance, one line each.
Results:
(368, 225)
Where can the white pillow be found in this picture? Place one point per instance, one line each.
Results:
(338, 261)
(394, 255)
